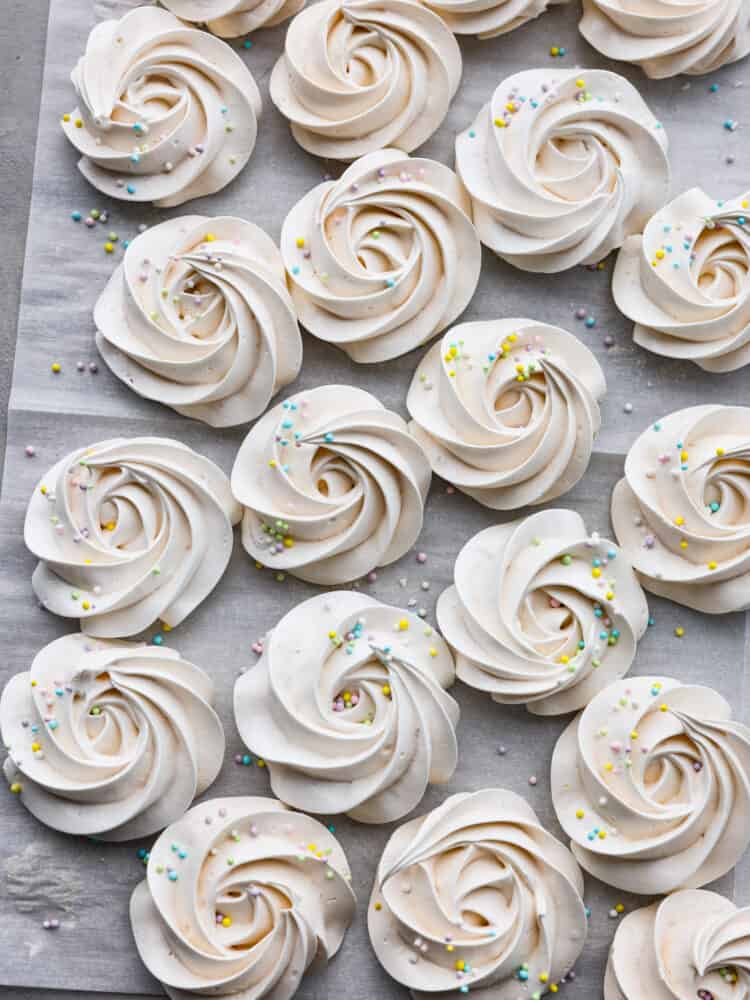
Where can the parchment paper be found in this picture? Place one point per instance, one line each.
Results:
(86, 885)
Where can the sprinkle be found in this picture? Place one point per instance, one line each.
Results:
(56, 367)
(679, 631)
(16, 788)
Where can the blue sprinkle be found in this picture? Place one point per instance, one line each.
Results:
(328, 438)
(54, 724)
(158, 639)
(75, 216)
(172, 876)
(130, 189)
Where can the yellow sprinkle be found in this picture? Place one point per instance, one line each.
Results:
(403, 625)
(520, 378)
(719, 452)
(580, 84)
(78, 123)
(449, 947)
(513, 338)
(602, 835)
(272, 463)
(679, 520)
(452, 373)
(43, 490)
(386, 689)
(33, 684)
(460, 965)
(500, 122)
(683, 543)
(35, 747)
(663, 708)
(679, 631)
(378, 906)
(543, 977)
(660, 255)
(109, 526)
(109, 247)
(66, 117)
(580, 814)
(433, 652)
(510, 106)
(209, 238)
(608, 767)
(288, 543)
(712, 565)
(634, 734)
(331, 635)
(554, 51)
(16, 787)
(746, 204)
(564, 659)
(260, 762)
(609, 595)
(619, 908)
(300, 241)
(596, 572)
(226, 922)
(519, 368)
(554, 988)
(56, 367)
(654, 263)
(683, 456)
(165, 627)
(85, 605)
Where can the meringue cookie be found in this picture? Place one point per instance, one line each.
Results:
(488, 18)
(652, 784)
(252, 896)
(667, 38)
(332, 484)
(359, 75)
(383, 258)
(109, 739)
(686, 281)
(167, 113)
(542, 613)
(231, 18)
(507, 410)
(480, 872)
(681, 512)
(562, 166)
(129, 531)
(692, 944)
(198, 317)
(346, 706)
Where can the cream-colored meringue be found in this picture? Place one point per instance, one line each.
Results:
(108, 739)
(360, 75)
(542, 613)
(129, 531)
(231, 18)
(372, 753)
(682, 512)
(481, 873)
(332, 486)
(488, 18)
(686, 281)
(692, 944)
(166, 113)
(384, 258)
(252, 895)
(652, 784)
(668, 37)
(198, 317)
(577, 166)
(507, 410)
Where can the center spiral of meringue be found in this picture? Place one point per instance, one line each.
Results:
(575, 166)
(720, 258)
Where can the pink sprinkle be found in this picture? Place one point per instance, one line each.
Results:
(421, 557)
(30, 450)
(372, 577)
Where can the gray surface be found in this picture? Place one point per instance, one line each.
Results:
(87, 885)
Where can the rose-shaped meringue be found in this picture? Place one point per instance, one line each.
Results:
(482, 874)
(231, 18)
(129, 531)
(383, 258)
(692, 944)
(562, 166)
(686, 282)
(682, 512)
(166, 113)
(347, 708)
(198, 317)
(488, 18)
(361, 75)
(241, 897)
(542, 613)
(332, 484)
(652, 784)
(507, 410)
(110, 739)
(667, 37)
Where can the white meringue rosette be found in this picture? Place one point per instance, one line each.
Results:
(667, 38)
(694, 943)
(129, 531)
(108, 739)
(384, 258)
(562, 166)
(361, 75)
(682, 512)
(232, 18)
(652, 784)
(166, 113)
(347, 708)
(542, 613)
(198, 317)
(332, 486)
(488, 18)
(507, 410)
(685, 282)
(242, 896)
(477, 894)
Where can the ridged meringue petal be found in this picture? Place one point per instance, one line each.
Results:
(478, 871)
(361, 75)
(384, 258)
(652, 784)
(166, 112)
(109, 739)
(507, 410)
(198, 317)
(252, 895)
(562, 166)
(488, 18)
(232, 18)
(682, 512)
(686, 281)
(332, 486)
(347, 708)
(666, 37)
(542, 613)
(129, 531)
(692, 944)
